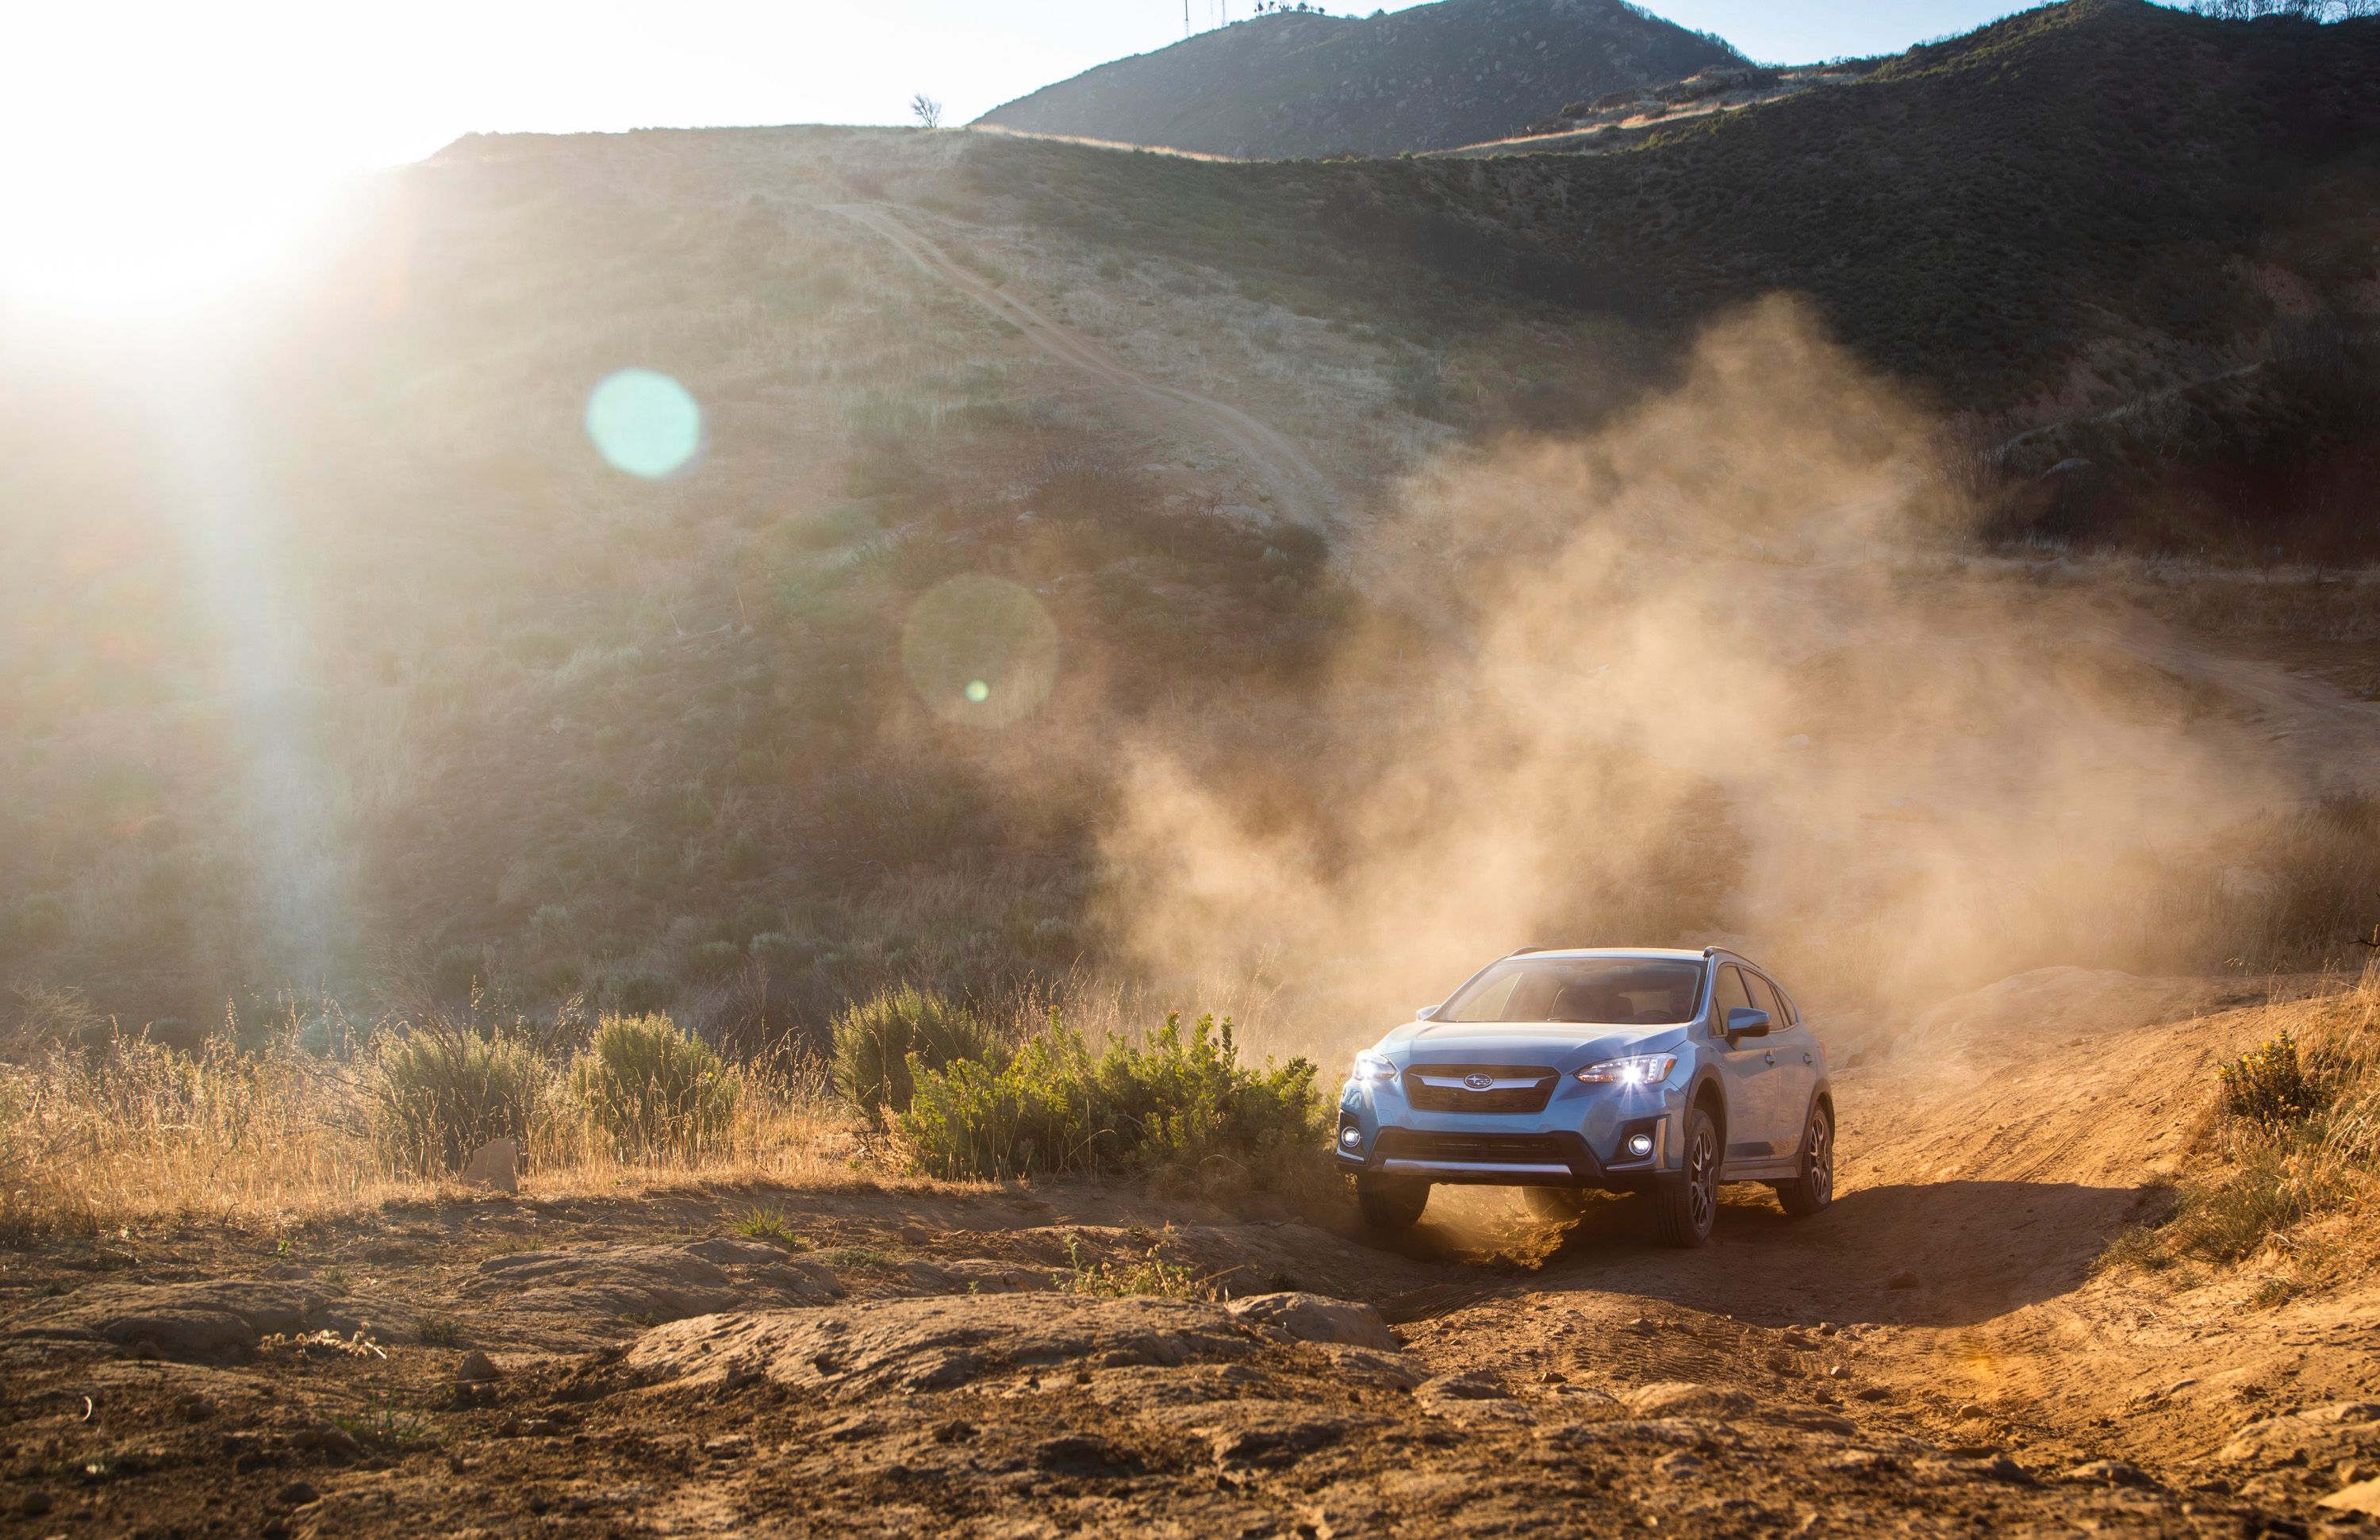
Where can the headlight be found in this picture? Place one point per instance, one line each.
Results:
(1374, 1066)
(1649, 1069)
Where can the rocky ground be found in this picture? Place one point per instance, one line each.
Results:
(1933, 1355)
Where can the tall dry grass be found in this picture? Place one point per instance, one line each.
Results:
(132, 1132)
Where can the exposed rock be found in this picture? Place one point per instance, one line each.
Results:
(496, 1165)
(2341, 1426)
(1317, 1319)
(652, 1283)
(2362, 1497)
(185, 1320)
(973, 1275)
(1683, 1399)
(1469, 1387)
(936, 1343)
(2109, 1473)
(1274, 1444)
(297, 1493)
(477, 1368)
(1081, 1454)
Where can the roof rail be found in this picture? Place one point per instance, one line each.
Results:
(1524, 951)
(1713, 952)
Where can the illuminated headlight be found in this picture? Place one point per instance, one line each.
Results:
(1350, 1136)
(1640, 1145)
(1374, 1066)
(1645, 1069)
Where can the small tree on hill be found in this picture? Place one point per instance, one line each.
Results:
(925, 110)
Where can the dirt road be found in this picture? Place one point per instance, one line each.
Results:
(1934, 1354)
(1298, 490)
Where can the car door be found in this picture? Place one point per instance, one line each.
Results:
(1744, 1068)
(1793, 1063)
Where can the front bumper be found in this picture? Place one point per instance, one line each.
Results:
(1576, 1141)
(1493, 1152)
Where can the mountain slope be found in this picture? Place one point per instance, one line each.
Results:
(2075, 210)
(1307, 84)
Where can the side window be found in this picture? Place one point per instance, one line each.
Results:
(1731, 996)
(1764, 998)
(1792, 1011)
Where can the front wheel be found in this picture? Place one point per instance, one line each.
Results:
(1814, 1188)
(1392, 1202)
(1685, 1206)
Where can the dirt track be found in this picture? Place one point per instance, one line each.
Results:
(1933, 1353)
(1298, 490)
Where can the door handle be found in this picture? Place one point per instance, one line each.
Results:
(1770, 1056)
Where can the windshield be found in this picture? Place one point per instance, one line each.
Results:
(1604, 991)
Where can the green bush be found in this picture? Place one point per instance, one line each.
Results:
(641, 994)
(437, 1095)
(1180, 1105)
(655, 1091)
(713, 958)
(881, 1042)
(785, 953)
(2268, 1086)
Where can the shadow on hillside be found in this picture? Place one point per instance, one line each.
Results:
(1933, 1254)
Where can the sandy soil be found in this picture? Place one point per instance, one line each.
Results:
(1933, 1355)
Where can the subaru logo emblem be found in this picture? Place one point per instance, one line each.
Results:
(1478, 1082)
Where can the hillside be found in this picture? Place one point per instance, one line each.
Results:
(1299, 84)
(2075, 210)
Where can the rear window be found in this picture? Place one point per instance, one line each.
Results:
(1601, 991)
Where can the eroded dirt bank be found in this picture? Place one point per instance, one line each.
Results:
(1934, 1354)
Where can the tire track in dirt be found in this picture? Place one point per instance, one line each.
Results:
(1297, 486)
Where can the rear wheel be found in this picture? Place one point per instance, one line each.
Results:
(1392, 1202)
(1553, 1205)
(1814, 1188)
(1685, 1206)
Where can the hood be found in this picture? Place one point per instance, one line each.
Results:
(1560, 1045)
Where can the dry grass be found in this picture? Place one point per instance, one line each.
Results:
(2288, 1177)
(135, 1133)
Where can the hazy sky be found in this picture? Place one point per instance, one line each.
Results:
(138, 128)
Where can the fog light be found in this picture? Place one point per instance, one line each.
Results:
(1350, 1136)
(1640, 1145)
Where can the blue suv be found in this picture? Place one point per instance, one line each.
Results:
(1560, 1072)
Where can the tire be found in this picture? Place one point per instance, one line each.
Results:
(1685, 1206)
(1814, 1188)
(1392, 1202)
(1553, 1205)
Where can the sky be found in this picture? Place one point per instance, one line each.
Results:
(216, 131)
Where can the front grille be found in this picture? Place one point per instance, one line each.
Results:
(1493, 1149)
(1517, 1088)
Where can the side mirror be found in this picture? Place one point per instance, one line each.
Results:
(1742, 1022)
(1426, 1014)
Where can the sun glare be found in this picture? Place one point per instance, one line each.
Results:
(99, 237)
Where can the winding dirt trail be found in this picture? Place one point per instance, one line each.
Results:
(1297, 487)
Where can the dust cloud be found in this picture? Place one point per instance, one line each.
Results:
(1727, 671)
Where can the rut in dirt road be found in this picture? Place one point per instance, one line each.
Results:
(1299, 490)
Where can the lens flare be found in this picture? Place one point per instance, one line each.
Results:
(644, 422)
(980, 652)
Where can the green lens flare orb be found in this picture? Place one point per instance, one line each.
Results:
(644, 422)
(980, 652)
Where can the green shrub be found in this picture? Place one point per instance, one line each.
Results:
(881, 1042)
(641, 994)
(1180, 1106)
(2267, 1085)
(654, 1091)
(785, 953)
(713, 958)
(437, 1095)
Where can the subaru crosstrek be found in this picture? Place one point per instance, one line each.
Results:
(1561, 1073)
